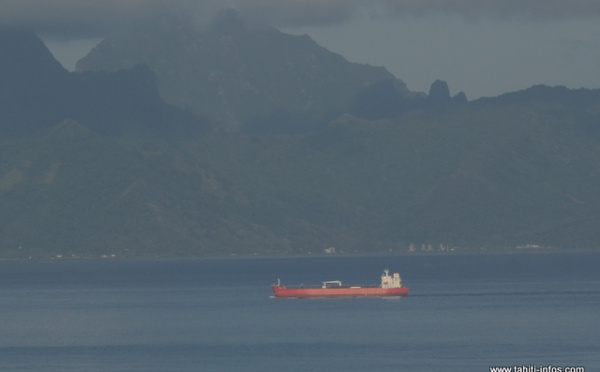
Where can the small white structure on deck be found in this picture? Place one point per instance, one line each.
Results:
(388, 281)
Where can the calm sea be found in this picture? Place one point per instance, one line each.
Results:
(466, 312)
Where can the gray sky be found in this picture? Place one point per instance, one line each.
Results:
(481, 47)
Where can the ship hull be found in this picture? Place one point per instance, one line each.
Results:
(295, 292)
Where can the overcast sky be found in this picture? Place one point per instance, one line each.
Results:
(481, 47)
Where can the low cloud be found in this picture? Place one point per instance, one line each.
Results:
(534, 9)
(80, 18)
(76, 18)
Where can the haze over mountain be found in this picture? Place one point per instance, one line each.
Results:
(335, 154)
(484, 48)
(39, 93)
(247, 78)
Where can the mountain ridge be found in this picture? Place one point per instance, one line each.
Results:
(242, 76)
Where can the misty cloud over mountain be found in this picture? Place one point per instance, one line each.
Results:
(75, 18)
(492, 8)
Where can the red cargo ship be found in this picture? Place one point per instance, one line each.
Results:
(390, 286)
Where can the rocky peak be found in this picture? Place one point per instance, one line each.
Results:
(439, 91)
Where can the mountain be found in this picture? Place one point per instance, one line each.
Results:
(95, 164)
(251, 79)
(31, 84)
(38, 93)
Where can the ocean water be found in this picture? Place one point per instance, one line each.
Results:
(466, 312)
